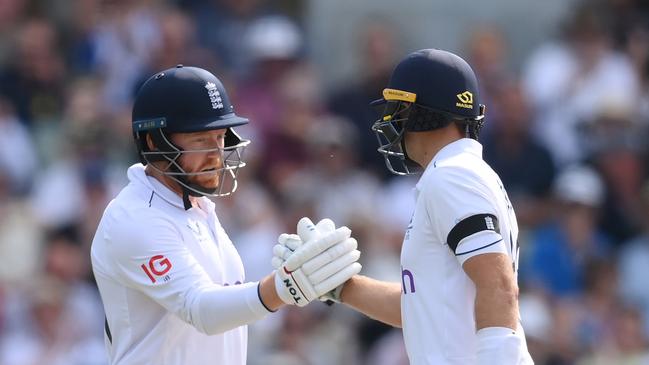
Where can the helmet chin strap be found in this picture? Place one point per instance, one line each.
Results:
(186, 203)
(411, 165)
(186, 192)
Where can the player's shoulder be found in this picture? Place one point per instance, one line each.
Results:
(129, 216)
(130, 207)
(459, 171)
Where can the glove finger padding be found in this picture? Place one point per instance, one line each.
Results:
(287, 243)
(306, 229)
(281, 251)
(276, 262)
(325, 225)
(329, 255)
(333, 267)
(290, 241)
(316, 246)
(337, 279)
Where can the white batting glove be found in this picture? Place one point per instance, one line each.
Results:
(307, 270)
(324, 226)
(288, 243)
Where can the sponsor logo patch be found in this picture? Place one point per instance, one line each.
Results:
(465, 100)
(157, 268)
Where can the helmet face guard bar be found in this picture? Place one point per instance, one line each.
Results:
(389, 132)
(232, 161)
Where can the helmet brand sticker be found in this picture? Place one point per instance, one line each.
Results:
(465, 100)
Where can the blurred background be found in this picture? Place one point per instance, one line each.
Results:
(566, 84)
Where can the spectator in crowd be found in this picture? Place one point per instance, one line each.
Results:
(11, 16)
(178, 44)
(628, 345)
(274, 45)
(616, 146)
(378, 46)
(568, 79)
(524, 165)
(488, 51)
(633, 263)
(49, 336)
(34, 80)
(18, 159)
(567, 243)
(224, 25)
(124, 43)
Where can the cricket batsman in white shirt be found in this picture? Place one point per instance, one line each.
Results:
(171, 282)
(458, 298)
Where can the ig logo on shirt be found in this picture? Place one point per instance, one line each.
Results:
(158, 266)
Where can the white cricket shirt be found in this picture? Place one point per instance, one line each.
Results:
(170, 280)
(437, 301)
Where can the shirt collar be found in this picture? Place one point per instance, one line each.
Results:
(137, 175)
(463, 145)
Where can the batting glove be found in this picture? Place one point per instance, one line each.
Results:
(317, 266)
(344, 255)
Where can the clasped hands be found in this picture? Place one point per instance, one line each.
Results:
(315, 263)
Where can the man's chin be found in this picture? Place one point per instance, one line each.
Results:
(211, 184)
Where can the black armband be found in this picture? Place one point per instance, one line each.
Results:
(471, 225)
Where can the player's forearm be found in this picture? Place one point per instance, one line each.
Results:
(220, 309)
(496, 309)
(497, 305)
(497, 324)
(376, 299)
(496, 302)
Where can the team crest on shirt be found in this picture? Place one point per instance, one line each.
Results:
(198, 230)
(194, 227)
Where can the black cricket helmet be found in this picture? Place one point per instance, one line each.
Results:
(429, 89)
(185, 100)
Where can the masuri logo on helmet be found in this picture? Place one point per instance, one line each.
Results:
(466, 100)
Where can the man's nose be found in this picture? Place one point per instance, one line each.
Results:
(216, 144)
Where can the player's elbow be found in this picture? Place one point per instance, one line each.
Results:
(194, 314)
(220, 309)
(507, 289)
(509, 295)
(500, 288)
(497, 304)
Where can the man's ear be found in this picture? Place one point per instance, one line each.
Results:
(149, 143)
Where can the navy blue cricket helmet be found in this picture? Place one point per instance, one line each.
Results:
(429, 89)
(185, 100)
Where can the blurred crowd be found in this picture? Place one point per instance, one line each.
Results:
(567, 133)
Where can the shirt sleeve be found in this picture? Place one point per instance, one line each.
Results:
(149, 255)
(464, 215)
